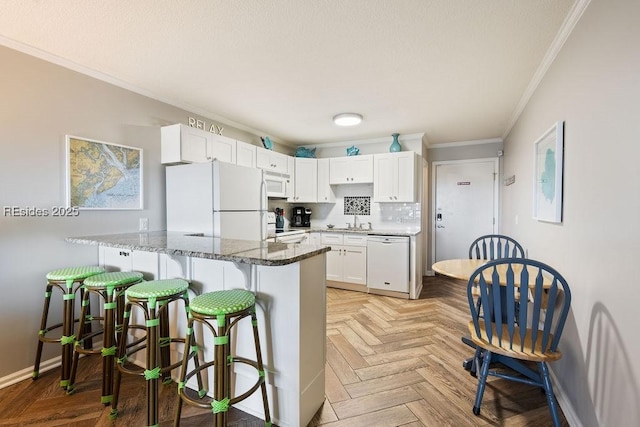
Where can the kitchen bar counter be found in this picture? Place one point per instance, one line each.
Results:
(289, 283)
(198, 246)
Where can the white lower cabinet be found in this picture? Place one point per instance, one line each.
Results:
(315, 238)
(347, 260)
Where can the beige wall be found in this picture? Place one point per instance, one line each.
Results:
(40, 104)
(594, 87)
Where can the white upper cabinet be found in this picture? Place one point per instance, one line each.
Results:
(246, 154)
(271, 160)
(325, 191)
(395, 177)
(223, 148)
(306, 180)
(351, 169)
(185, 144)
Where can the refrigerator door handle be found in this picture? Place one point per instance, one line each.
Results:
(263, 193)
(263, 208)
(263, 225)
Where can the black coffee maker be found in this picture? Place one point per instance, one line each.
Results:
(301, 217)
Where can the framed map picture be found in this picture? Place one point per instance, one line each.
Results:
(101, 175)
(548, 153)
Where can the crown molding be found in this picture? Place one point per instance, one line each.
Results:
(378, 140)
(465, 143)
(563, 34)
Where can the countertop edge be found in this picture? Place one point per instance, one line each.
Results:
(254, 254)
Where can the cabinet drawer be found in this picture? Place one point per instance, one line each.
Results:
(355, 240)
(331, 239)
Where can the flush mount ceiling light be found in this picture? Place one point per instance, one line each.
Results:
(347, 119)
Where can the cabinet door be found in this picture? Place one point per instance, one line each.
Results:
(385, 181)
(338, 170)
(263, 158)
(314, 238)
(245, 154)
(406, 177)
(280, 162)
(271, 160)
(222, 148)
(362, 168)
(334, 263)
(354, 265)
(325, 191)
(351, 170)
(194, 144)
(395, 177)
(306, 180)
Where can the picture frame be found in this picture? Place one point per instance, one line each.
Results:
(548, 166)
(102, 175)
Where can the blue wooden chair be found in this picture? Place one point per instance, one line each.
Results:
(512, 326)
(495, 246)
(490, 246)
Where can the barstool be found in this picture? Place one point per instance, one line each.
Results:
(227, 308)
(153, 299)
(63, 279)
(110, 288)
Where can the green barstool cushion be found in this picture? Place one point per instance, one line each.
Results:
(222, 302)
(117, 278)
(74, 273)
(158, 288)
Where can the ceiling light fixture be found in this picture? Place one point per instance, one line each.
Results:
(347, 119)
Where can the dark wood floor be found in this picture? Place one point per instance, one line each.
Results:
(390, 362)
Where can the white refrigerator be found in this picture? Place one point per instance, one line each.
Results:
(217, 199)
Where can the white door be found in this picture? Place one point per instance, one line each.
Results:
(465, 205)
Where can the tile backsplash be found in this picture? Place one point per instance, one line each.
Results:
(357, 205)
(357, 200)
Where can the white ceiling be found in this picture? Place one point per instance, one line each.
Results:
(455, 70)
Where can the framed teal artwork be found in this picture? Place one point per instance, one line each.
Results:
(548, 157)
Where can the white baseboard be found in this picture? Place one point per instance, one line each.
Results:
(567, 408)
(27, 373)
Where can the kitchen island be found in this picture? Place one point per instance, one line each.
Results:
(289, 283)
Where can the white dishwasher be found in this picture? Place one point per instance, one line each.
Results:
(388, 263)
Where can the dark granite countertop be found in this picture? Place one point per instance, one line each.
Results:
(185, 244)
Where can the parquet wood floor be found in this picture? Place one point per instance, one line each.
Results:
(390, 362)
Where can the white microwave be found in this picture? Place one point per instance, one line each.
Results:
(278, 184)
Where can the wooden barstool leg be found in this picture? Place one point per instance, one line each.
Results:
(42, 330)
(79, 341)
(152, 372)
(122, 357)
(261, 372)
(109, 345)
(221, 395)
(68, 338)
